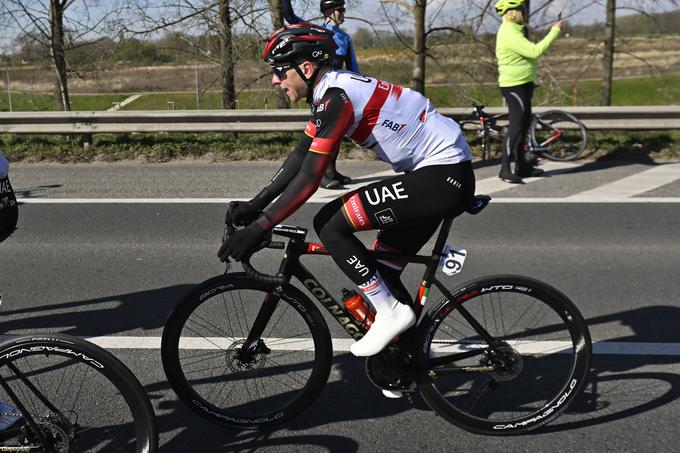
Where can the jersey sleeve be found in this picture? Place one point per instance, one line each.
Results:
(351, 58)
(332, 118)
(4, 166)
(289, 14)
(523, 46)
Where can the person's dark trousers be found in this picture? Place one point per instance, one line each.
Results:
(518, 99)
(332, 178)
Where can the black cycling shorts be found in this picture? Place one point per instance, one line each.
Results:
(9, 211)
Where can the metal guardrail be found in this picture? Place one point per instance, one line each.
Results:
(87, 123)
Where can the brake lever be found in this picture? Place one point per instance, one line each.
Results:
(229, 229)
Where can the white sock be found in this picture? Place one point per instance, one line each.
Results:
(378, 293)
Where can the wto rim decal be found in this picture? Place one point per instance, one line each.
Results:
(386, 217)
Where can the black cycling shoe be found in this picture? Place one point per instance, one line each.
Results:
(332, 184)
(342, 179)
(510, 177)
(534, 173)
(530, 158)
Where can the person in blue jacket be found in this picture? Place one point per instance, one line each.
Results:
(334, 15)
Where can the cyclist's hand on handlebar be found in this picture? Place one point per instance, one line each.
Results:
(241, 243)
(240, 213)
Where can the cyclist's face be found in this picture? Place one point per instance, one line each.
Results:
(339, 15)
(290, 81)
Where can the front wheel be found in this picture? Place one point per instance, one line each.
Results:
(284, 371)
(532, 366)
(558, 135)
(65, 394)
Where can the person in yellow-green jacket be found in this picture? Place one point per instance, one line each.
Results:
(517, 57)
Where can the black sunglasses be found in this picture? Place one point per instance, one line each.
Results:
(342, 10)
(280, 71)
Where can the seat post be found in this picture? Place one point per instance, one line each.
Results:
(443, 235)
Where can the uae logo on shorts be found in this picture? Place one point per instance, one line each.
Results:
(386, 217)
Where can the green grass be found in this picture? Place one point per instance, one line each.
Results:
(23, 102)
(659, 90)
(162, 147)
(159, 147)
(208, 100)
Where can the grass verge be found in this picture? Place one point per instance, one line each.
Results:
(164, 147)
(651, 90)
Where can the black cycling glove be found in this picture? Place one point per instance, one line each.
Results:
(241, 243)
(241, 213)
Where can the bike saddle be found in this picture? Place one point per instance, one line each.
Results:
(479, 202)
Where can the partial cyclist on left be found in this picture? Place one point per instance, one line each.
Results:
(9, 214)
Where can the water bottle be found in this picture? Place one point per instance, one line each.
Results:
(357, 306)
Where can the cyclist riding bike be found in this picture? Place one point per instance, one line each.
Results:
(9, 214)
(517, 58)
(404, 129)
(333, 16)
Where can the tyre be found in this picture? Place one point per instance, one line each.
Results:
(539, 365)
(79, 396)
(559, 135)
(204, 335)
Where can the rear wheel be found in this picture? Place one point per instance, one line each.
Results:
(535, 366)
(205, 335)
(559, 135)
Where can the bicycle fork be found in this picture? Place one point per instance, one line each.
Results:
(254, 343)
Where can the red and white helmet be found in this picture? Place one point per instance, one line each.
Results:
(299, 42)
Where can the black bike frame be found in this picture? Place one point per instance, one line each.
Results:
(488, 130)
(22, 409)
(292, 267)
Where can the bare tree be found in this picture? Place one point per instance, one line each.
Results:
(60, 26)
(419, 45)
(421, 31)
(209, 20)
(276, 13)
(227, 56)
(608, 53)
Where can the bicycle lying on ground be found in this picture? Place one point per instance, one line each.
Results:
(554, 134)
(499, 355)
(70, 395)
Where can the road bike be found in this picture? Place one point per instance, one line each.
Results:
(499, 355)
(554, 134)
(69, 395)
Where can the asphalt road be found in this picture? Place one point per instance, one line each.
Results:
(97, 268)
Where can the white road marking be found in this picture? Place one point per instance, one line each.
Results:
(621, 191)
(633, 185)
(325, 195)
(342, 345)
(495, 185)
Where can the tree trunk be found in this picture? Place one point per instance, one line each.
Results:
(276, 12)
(419, 41)
(57, 51)
(608, 57)
(227, 57)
